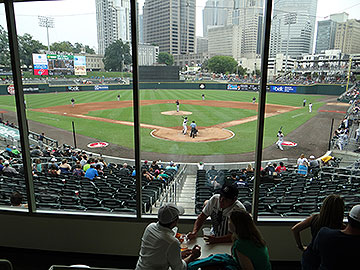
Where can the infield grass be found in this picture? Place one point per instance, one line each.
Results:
(243, 141)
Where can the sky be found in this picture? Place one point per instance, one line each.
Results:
(75, 20)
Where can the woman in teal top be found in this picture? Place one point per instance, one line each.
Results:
(249, 251)
(249, 248)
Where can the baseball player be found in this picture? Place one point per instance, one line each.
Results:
(177, 105)
(304, 102)
(118, 97)
(184, 131)
(203, 97)
(254, 100)
(310, 107)
(72, 102)
(280, 140)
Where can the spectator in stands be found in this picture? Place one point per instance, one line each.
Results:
(269, 169)
(56, 152)
(83, 160)
(213, 179)
(219, 207)
(159, 247)
(99, 170)
(248, 250)
(101, 162)
(7, 169)
(1, 164)
(302, 164)
(201, 166)
(326, 159)
(88, 163)
(146, 176)
(281, 168)
(339, 249)
(249, 168)
(53, 163)
(46, 152)
(8, 148)
(15, 151)
(145, 166)
(16, 200)
(331, 215)
(54, 170)
(37, 166)
(36, 152)
(154, 166)
(65, 167)
(124, 171)
(91, 173)
(171, 166)
(78, 172)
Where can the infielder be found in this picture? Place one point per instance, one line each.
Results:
(118, 97)
(177, 105)
(72, 102)
(254, 100)
(184, 131)
(280, 140)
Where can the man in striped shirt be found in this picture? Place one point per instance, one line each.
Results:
(219, 207)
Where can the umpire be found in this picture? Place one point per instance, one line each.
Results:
(193, 131)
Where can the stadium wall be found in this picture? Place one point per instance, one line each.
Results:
(317, 89)
(116, 236)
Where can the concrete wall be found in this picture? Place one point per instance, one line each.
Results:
(115, 236)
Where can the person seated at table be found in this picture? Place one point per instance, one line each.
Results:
(248, 249)
(219, 207)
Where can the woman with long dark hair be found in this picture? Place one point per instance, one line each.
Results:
(331, 215)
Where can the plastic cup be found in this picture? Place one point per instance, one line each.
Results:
(206, 231)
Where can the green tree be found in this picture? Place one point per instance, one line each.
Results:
(28, 46)
(241, 71)
(117, 55)
(4, 48)
(63, 46)
(222, 64)
(79, 47)
(165, 58)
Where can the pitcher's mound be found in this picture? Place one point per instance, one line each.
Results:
(176, 113)
(207, 134)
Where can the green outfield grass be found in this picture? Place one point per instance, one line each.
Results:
(243, 141)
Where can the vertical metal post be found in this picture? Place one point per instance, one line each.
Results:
(261, 106)
(74, 134)
(331, 131)
(20, 106)
(136, 103)
(48, 40)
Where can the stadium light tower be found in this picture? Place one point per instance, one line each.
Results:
(47, 22)
(290, 19)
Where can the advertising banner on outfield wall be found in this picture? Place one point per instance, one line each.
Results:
(283, 88)
(73, 88)
(243, 87)
(101, 87)
(27, 88)
(40, 64)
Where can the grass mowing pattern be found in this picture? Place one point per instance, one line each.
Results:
(243, 141)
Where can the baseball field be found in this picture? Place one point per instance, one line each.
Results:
(226, 120)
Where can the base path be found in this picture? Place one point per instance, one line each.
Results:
(206, 134)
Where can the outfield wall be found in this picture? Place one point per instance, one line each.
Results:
(318, 89)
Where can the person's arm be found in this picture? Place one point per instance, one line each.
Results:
(197, 226)
(195, 253)
(211, 239)
(298, 228)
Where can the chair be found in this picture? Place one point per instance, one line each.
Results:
(112, 203)
(90, 202)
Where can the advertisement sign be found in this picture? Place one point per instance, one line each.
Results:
(283, 88)
(60, 64)
(27, 88)
(101, 87)
(202, 86)
(80, 65)
(97, 144)
(40, 64)
(243, 87)
(73, 88)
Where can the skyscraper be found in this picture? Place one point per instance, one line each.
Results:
(170, 24)
(113, 22)
(249, 15)
(325, 37)
(217, 13)
(293, 27)
(347, 37)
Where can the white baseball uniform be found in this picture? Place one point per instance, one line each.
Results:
(184, 126)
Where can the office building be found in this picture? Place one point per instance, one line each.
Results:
(347, 37)
(293, 27)
(113, 22)
(202, 44)
(170, 24)
(217, 13)
(147, 54)
(225, 40)
(249, 15)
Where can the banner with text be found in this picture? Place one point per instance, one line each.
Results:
(283, 88)
(40, 64)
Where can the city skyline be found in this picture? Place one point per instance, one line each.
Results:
(79, 18)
